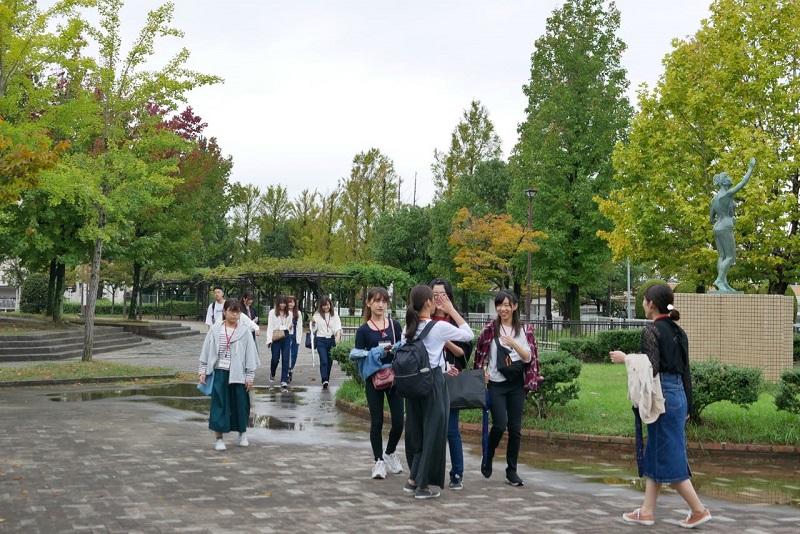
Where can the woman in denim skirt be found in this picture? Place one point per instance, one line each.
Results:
(665, 460)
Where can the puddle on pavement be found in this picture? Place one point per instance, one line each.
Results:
(308, 415)
(753, 482)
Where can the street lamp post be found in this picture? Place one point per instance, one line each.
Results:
(530, 193)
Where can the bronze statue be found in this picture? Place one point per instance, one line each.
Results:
(722, 213)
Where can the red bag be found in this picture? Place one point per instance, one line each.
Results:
(383, 379)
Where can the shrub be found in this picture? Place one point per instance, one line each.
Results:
(640, 295)
(34, 294)
(341, 353)
(684, 287)
(714, 381)
(560, 371)
(574, 346)
(788, 396)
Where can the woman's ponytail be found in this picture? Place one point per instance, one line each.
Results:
(417, 298)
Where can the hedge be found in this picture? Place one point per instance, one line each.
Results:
(714, 381)
(796, 348)
(595, 349)
(103, 307)
(34, 294)
(341, 353)
(788, 396)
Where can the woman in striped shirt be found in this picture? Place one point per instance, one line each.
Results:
(229, 358)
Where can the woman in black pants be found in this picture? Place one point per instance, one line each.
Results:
(380, 330)
(505, 335)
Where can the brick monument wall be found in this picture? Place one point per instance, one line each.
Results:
(739, 329)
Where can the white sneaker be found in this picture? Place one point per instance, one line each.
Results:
(393, 463)
(219, 445)
(379, 471)
(243, 440)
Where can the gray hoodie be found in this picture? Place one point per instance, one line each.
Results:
(244, 355)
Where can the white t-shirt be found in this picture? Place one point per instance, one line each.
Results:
(441, 333)
(494, 374)
(214, 313)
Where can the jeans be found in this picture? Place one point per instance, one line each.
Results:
(280, 352)
(375, 403)
(456, 448)
(323, 346)
(294, 346)
(507, 400)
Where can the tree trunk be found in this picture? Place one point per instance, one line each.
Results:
(58, 293)
(51, 286)
(548, 304)
(137, 288)
(91, 301)
(464, 302)
(572, 304)
(113, 294)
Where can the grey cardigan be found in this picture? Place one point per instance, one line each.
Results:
(244, 354)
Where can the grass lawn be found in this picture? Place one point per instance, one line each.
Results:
(63, 370)
(602, 408)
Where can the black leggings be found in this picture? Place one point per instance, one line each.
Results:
(507, 400)
(375, 403)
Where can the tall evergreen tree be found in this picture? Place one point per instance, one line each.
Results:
(577, 110)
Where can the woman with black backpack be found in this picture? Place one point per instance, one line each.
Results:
(426, 415)
(507, 352)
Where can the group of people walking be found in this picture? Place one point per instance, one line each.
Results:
(506, 351)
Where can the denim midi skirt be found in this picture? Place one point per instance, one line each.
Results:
(665, 460)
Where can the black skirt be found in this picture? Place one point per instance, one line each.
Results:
(426, 434)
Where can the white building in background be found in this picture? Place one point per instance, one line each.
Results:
(9, 294)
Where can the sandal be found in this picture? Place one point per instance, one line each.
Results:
(695, 520)
(637, 518)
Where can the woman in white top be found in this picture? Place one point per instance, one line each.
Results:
(326, 330)
(295, 332)
(507, 373)
(426, 418)
(278, 326)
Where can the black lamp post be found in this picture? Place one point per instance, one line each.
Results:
(530, 193)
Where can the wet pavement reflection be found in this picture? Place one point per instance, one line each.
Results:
(308, 415)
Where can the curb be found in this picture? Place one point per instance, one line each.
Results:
(565, 439)
(86, 380)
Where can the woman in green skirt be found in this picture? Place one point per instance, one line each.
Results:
(229, 358)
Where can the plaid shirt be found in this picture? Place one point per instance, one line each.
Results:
(483, 351)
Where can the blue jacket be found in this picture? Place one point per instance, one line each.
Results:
(369, 361)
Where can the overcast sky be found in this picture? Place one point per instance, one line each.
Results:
(310, 83)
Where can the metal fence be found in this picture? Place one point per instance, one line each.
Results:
(8, 304)
(548, 333)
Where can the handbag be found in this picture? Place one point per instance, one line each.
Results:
(383, 379)
(206, 388)
(466, 390)
(277, 335)
(510, 369)
(308, 340)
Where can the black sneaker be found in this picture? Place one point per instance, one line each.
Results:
(426, 493)
(456, 483)
(290, 377)
(325, 385)
(409, 488)
(512, 479)
(486, 468)
(272, 378)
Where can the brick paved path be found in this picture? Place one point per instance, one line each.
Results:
(114, 465)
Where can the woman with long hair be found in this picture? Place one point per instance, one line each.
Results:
(426, 424)
(295, 332)
(664, 460)
(378, 330)
(246, 303)
(326, 331)
(278, 325)
(457, 354)
(229, 356)
(508, 354)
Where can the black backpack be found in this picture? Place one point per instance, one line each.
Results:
(413, 378)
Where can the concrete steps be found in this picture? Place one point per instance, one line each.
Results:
(162, 330)
(62, 344)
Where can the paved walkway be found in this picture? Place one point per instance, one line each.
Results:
(128, 465)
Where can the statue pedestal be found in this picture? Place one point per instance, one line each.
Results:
(739, 329)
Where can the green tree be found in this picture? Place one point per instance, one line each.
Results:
(473, 140)
(400, 240)
(305, 211)
(577, 111)
(120, 172)
(246, 204)
(370, 191)
(730, 92)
